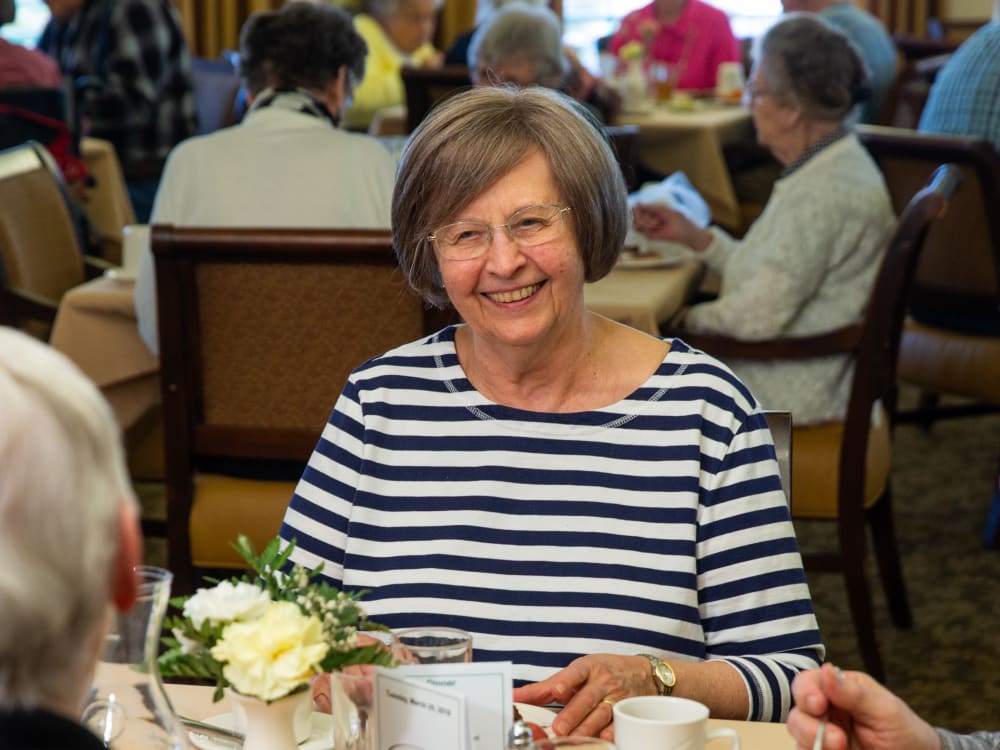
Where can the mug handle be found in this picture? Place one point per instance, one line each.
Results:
(712, 734)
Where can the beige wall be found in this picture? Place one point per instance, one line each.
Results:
(966, 9)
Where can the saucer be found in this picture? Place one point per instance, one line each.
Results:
(320, 738)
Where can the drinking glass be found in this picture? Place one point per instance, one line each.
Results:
(128, 706)
(661, 81)
(432, 645)
(352, 709)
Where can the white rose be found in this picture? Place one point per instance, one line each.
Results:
(271, 656)
(227, 602)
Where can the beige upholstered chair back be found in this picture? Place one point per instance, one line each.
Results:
(277, 341)
(39, 250)
(259, 329)
(961, 250)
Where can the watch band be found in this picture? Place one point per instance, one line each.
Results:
(663, 674)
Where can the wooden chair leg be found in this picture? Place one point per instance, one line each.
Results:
(991, 536)
(883, 527)
(860, 599)
(928, 404)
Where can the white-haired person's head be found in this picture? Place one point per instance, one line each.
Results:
(520, 44)
(69, 531)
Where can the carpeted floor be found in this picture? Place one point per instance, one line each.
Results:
(948, 665)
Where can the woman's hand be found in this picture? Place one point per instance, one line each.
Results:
(321, 687)
(862, 714)
(588, 688)
(661, 223)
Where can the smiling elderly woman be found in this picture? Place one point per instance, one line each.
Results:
(598, 506)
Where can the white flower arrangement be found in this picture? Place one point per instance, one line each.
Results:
(267, 637)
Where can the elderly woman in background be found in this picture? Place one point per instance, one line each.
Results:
(807, 264)
(599, 506)
(287, 164)
(692, 36)
(522, 44)
(398, 33)
(69, 542)
(458, 53)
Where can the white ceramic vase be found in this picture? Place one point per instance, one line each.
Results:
(278, 725)
(634, 86)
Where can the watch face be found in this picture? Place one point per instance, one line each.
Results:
(665, 674)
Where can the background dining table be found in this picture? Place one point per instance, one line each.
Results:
(96, 328)
(691, 141)
(645, 297)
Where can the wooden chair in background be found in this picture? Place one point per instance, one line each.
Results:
(908, 94)
(259, 329)
(951, 341)
(840, 471)
(425, 87)
(624, 141)
(40, 252)
(217, 86)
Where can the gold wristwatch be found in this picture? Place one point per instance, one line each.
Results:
(663, 674)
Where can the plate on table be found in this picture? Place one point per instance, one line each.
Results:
(320, 738)
(120, 274)
(539, 715)
(655, 254)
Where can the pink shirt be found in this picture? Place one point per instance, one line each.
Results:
(697, 42)
(21, 67)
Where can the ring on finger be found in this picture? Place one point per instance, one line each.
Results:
(610, 701)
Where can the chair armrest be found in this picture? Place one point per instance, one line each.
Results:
(18, 303)
(841, 341)
(94, 266)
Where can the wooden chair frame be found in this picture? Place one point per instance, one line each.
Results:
(19, 303)
(980, 159)
(192, 442)
(873, 344)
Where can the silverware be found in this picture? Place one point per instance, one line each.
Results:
(820, 733)
(213, 732)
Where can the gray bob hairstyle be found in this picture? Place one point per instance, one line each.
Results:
(471, 140)
(809, 64)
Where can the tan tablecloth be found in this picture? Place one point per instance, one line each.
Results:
(107, 203)
(644, 298)
(196, 703)
(96, 328)
(691, 142)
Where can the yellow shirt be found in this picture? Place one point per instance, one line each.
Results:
(381, 86)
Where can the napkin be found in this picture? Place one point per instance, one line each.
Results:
(676, 192)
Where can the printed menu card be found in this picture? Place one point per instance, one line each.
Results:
(444, 706)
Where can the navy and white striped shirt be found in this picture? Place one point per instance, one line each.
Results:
(654, 525)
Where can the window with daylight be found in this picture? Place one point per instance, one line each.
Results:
(586, 21)
(32, 15)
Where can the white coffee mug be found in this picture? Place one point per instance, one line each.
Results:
(135, 244)
(659, 722)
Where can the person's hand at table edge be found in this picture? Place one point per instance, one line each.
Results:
(661, 223)
(861, 714)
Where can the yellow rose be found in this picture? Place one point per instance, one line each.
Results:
(631, 51)
(270, 657)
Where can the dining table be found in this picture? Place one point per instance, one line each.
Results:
(645, 295)
(96, 328)
(690, 139)
(195, 702)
